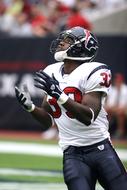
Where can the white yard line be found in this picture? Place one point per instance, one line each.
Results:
(122, 154)
(30, 148)
(12, 171)
(42, 149)
(33, 186)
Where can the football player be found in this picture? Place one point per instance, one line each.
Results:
(75, 89)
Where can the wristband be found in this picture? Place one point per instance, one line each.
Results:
(92, 120)
(32, 108)
(62, 99)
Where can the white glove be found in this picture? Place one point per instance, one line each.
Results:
(23, 97)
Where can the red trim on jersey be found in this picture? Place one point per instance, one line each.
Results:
(68, 90)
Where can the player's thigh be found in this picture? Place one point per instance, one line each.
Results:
(112, 174)
(78, 175)
(119, 183)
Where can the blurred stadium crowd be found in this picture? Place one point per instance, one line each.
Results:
(38, 18)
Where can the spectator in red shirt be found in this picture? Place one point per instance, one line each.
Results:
(76, 19)
(39, 22)
(37, 16)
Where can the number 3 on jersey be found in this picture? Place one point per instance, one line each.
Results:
(106, 79)
(77, 96)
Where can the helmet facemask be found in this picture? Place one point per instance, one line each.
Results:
(59, 54)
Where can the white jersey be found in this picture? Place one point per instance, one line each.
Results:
(87, 77)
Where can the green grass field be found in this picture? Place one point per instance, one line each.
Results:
(31, 162)
(34, 168)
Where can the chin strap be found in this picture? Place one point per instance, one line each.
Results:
(62, 55)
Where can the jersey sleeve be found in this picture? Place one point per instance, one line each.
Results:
(99, 80)
(53, 68)
(48, 70)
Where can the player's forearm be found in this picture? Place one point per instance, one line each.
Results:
(42, 116)
(81, 112)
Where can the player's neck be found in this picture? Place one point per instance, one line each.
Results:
(69, 66)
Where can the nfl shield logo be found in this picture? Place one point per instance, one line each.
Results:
(101, 147)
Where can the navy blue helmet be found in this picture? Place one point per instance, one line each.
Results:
(83, 45)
